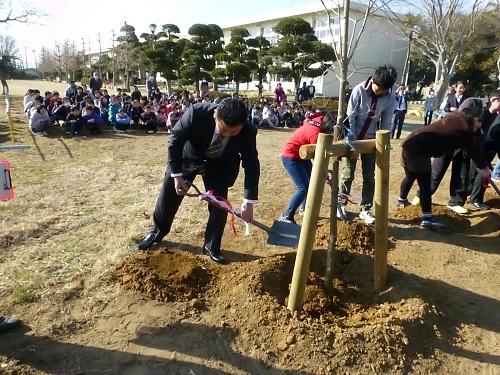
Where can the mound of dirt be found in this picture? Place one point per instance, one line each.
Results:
(165, 276)
(388, 331)
(354, 236)
(491, 198)
(15, 367)
(454, 222)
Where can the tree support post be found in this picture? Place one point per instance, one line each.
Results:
(381, 203)
(311, 215)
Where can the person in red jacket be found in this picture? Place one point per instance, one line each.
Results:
(454, 131)
(299, 169)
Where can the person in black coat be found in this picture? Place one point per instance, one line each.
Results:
(95, 83)
(191, 152)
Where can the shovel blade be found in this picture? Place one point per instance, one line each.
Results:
(284, 234)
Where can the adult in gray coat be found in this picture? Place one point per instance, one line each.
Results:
(371, 107)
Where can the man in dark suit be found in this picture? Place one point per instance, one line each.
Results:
(209, 140)
(95, 83)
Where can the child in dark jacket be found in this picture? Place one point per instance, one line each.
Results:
(74, 123)
(92, 120)
(135, 113)
(148, 120)
(454, 131)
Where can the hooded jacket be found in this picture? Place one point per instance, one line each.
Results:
(358, 111)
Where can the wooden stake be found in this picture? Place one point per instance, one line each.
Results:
(309, 224)
(381, 204)
(340, 148)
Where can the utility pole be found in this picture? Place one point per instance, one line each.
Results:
(74, 60)
(114, 56)
(100, 53)
(26, 56)
(84, 68)
(34, 56)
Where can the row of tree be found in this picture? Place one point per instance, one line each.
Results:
(297, 54)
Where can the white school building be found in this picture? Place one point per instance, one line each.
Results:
(381, 43)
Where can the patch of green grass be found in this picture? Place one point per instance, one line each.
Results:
(23, 294)
(135, 239)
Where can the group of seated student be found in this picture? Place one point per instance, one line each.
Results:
(80, 110)
(264, 114)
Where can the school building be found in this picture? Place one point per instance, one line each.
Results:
(381, 43)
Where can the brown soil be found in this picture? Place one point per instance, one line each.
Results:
(454, 222)
(101, 307)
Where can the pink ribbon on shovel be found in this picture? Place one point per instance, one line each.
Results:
(225, 205)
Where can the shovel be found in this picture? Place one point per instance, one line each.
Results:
(279, 234)
(495, 187)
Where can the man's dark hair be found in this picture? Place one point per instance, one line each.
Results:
(39, 99)
(385, 76)
(89, 108)
(74, 108)
(40, 108)
(232, 111)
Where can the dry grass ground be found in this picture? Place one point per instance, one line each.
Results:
(81, 203)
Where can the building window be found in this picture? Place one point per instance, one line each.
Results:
(322, 31)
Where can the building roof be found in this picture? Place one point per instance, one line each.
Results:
(258, 18)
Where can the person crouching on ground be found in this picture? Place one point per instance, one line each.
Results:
(122, 121)
(40, 121)
(93, 122)
(452, 132)
(298, 169)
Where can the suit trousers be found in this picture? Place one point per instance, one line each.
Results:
(168, 204)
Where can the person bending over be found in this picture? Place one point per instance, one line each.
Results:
(298, 169)
(454, 131)
(209, 140)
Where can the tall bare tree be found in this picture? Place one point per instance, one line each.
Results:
(46, 62)
(440, 31)
(346, 40)
(8, 46)
(127, 52)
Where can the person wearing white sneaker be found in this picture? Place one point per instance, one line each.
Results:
(370, 108)
(367, 216)
(454, 131)
(461, 210)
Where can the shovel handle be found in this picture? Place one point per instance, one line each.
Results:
(494, 186)
(258, 224)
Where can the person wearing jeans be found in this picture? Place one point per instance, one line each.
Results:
(299, 169)
(495, 175)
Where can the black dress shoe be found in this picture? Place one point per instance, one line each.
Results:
(216, 256)
(7, 323)
(148, 241)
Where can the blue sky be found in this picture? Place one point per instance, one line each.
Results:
(67, 19)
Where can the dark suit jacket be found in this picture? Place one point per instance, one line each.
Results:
(95, 84)
(451, 101)
(191, 138)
